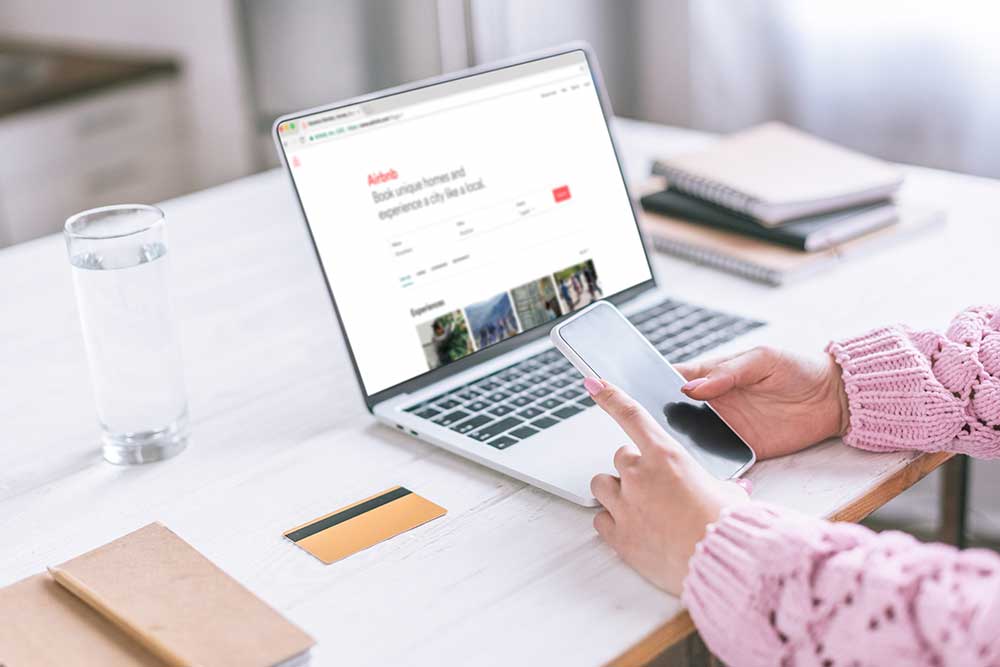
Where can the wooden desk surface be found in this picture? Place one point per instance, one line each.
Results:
(281, 436)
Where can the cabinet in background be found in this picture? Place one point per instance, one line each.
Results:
(79, 131)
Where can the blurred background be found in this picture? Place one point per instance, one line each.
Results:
(115, 100)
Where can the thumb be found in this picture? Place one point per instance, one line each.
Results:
(741, 371)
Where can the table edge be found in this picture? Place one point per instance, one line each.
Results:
(681, 626)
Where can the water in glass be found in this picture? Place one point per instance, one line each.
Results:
(121, 289)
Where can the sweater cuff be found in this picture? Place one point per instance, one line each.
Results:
(895, 402)
(752, 569)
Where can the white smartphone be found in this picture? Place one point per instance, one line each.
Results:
(601, 343)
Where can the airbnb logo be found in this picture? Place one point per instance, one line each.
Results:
(382, 177)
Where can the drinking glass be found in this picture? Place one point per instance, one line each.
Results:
(119, 263)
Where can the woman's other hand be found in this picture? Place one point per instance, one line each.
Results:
(779, 402)
(657, 509)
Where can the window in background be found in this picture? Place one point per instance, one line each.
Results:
(916, 83)
(911, 82)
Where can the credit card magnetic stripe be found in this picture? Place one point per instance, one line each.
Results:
(364, 524)
(347, 514)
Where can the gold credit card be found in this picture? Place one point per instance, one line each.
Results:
(365, 523)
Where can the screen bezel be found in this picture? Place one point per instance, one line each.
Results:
(435, 375)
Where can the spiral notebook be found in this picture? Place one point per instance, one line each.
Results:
(816, 232)
(775, 173)
(774, 264)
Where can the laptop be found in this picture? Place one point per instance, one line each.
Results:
(456, 220)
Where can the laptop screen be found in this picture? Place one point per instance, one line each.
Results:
(451, 217)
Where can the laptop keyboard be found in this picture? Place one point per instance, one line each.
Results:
(524, 399)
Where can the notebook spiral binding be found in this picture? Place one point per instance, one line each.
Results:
(716, 260)
(706, 189)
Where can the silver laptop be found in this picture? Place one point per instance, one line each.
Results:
(456, 220)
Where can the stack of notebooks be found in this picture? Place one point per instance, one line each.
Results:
(145, 600)
(774, 204)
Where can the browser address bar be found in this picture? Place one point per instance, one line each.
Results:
(365, 120)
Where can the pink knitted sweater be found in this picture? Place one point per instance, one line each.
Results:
(768, 587)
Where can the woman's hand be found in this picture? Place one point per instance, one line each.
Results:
(657, 509)
(779, 402)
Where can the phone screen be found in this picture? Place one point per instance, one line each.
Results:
(616, 352)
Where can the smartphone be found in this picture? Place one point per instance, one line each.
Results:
(601, 343)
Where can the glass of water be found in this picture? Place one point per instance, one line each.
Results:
(119, 260)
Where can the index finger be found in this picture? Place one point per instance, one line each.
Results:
(637, 423)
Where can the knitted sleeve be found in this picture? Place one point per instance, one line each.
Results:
(768, 587)
(922, 390)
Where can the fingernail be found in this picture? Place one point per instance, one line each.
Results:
(746, 484)
(694, 384)
(593, 386)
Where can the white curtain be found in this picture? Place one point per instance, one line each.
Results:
(910, 81)
(914, 82)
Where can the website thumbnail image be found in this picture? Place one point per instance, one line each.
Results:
(450, 336)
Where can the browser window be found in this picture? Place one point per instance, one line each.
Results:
(455, 216)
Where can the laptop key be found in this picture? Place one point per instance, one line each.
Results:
(523, 432)
(517, 387)
(477, 406)
(544, 422)
(472, 424)
(468, 394)
(501, 410)
(496, 428)
(498, 396)
(428, 413)
(451, 418)
(559, 383)
(448, 404)
(503, 442)
(567, 411)
(549, 355)
(586, 402)
(529, 413)
(541, 392)
(572, 392)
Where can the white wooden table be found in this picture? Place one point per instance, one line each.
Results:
(511, 574)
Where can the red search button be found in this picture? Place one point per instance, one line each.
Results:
(561, 193)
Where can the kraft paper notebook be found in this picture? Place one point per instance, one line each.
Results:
(161, 596)
(44, 625)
